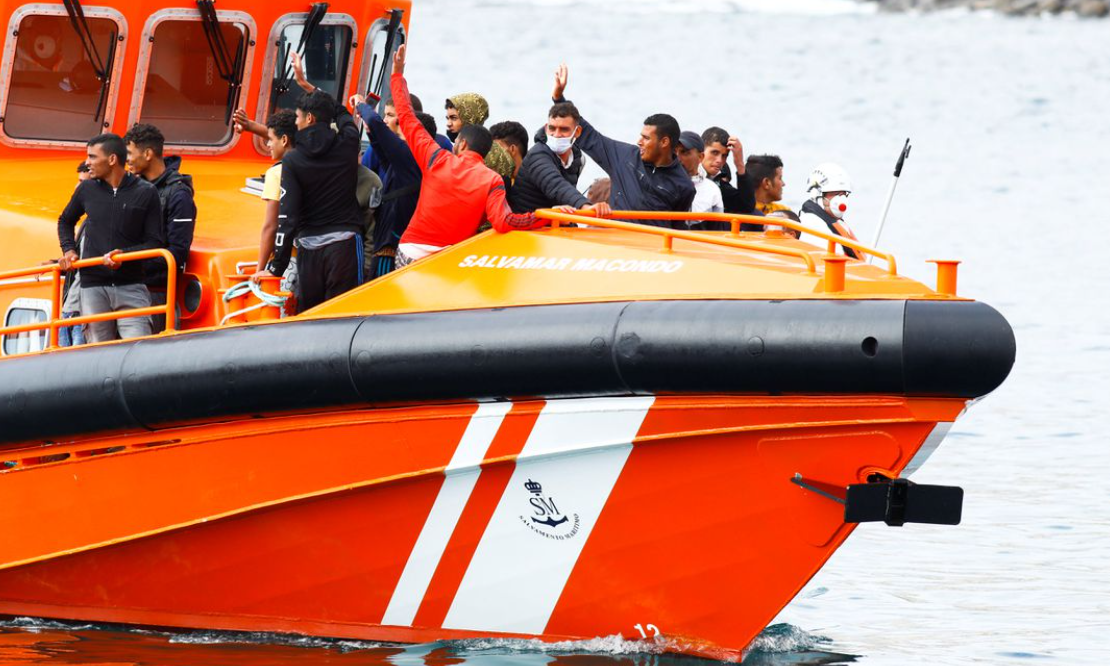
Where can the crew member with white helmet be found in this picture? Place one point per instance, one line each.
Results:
(828, 189)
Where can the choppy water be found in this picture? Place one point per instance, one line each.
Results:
(1008, 173)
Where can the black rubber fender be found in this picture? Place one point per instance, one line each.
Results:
(957, 349)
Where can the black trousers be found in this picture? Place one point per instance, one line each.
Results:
(328, 272)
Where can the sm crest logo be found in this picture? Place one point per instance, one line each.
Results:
(545, 517)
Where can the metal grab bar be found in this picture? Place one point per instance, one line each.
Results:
(56, 322)
(588, 217)
(735, 220)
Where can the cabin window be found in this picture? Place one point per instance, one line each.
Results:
(326, 43)
(59, 75)
(26, 311)
(377, 62)
(194, 72)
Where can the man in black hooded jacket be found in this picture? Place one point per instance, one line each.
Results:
(320, 210)
(548, 176)
(145, 145)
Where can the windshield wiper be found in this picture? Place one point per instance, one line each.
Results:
(315, 16)
(229, 68)
(101, 67)
(387, 57)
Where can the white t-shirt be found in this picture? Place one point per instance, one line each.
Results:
(707, 195)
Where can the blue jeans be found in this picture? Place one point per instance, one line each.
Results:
(71, 336)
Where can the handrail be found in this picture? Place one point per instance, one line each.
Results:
(588, 217)
(735, 220)
(55, 322)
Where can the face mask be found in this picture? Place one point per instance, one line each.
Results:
(838, 205)
(560, 144)
(454, 136)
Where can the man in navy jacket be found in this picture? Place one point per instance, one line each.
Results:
(645, 176)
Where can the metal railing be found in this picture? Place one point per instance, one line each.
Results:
(732, 239)
(55, 322)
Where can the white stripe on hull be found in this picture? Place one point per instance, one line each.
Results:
(462, 475)
(931, 443)
(576, 452)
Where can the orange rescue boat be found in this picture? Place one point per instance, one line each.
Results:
(583, 431)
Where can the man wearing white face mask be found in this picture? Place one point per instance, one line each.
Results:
(548, 176)
(829, 188)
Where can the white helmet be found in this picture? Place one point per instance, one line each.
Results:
(828, 177)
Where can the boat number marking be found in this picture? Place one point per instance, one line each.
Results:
(648, 631)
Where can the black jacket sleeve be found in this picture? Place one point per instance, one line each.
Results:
(546, 174)
(181, 218)
(67, 221)
(740, 199)
(288, 219)
(345, 126)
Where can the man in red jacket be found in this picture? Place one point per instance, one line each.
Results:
(458, 191)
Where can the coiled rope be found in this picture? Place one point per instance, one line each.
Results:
(265, 300)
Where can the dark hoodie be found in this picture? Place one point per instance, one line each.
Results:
(543, 182)
(128, 219)
(636, 184)
(179, 219)
(320, 179)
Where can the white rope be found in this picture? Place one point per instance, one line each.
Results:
(265, 300)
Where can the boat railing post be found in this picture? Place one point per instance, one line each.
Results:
(947, 273)
(55, 305)
(834, 273)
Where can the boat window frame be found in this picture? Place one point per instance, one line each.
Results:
(377, 26)
(269, 63)
(7, 65)
(41, 305)
(142, 70)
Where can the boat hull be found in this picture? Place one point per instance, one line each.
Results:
(670, 517)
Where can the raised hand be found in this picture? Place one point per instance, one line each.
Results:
(298, 73)
(737, 150)
(399, 60)
(561, 75)
(354, 100)
(240, 120)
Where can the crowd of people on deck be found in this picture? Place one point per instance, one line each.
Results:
(335, 219)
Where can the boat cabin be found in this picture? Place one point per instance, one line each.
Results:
(71, 70)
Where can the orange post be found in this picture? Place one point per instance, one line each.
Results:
(947, 270)
(834, 273)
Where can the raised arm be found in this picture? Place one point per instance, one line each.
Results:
(422, 145)
(601, 149)
(388, 146)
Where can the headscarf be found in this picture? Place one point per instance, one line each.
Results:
(500, 161)
(473, 108)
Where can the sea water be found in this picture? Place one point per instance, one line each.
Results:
(1009, 173)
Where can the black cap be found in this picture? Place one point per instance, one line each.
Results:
(690, 140)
